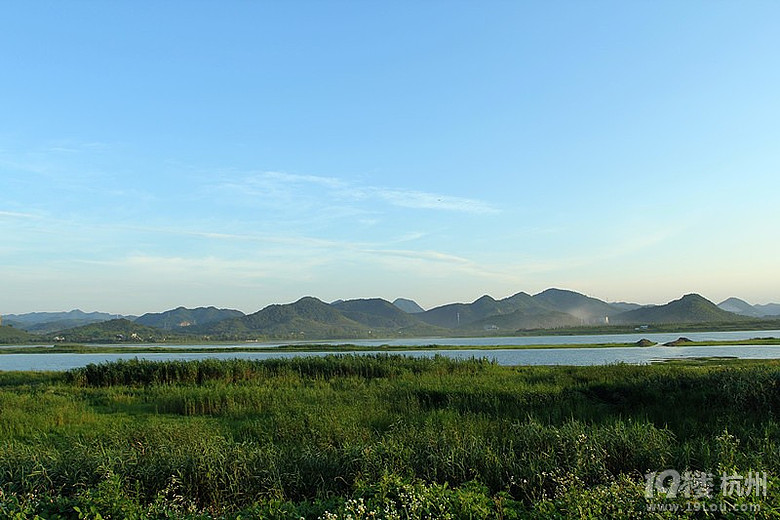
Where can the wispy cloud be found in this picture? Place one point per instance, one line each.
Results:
(410, 237)
(431, 256)
(283, 185)
(14, 214)
(612, 251)
(299, 242)
(423, 200)
(209, 269)
(431, 264)
(328, 182)
(284, 239)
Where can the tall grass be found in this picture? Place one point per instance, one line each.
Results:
(141, 372)
(307, 434)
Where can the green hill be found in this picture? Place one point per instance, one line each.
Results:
(407, 305)
(523, 320)
(47, 322)
(589, 311)
(112, 331)
(49, 327)
(519, 311)
(182, 318)
(377, 313)
(691, 308)
(462, 315)
(11, 335)
(306, 318)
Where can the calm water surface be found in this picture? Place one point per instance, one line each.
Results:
(552, 356)
(658, 337)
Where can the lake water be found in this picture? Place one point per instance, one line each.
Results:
(552, 356)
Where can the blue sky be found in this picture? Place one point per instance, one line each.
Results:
(156, 154)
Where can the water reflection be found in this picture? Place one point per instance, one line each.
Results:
(567, 356)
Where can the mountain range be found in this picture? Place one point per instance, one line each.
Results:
(45, 322)
(310, 318)
(520, 311)
(181, 317)
(742, 307)
(406, 305)
(693, 308)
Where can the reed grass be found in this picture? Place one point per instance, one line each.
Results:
(313, 437)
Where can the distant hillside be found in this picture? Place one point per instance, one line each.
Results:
(588, 310)
(10, 335)
(112, 331)
(525, 320)
(45, 322)
(625, 306)
(409, 306)
(377, 313)
(306, 318)
(181, 318)
(310, 318)
(738, 306)
(691, 308)
(484, 311)
(455, 315)
(769, 309)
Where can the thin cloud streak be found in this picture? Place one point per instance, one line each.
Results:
(275, 184)
(423, 200)
(14, 214)
(297, 241)
(329, 182)
(434, 256)
(617, 250)
(205, 269)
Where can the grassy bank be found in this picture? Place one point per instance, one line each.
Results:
(309, 347)
(733, 326)
(313, 347)
(377, 437)
(103, 334)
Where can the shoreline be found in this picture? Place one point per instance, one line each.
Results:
(347, 347)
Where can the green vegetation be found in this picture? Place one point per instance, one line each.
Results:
(306, 347)
(763, 324)
(378, 437)
(520, 311)
(113, 331)
(75, 348)
(312, 318)
(685, 342)
(182, 318)
(691, 308)
(10, 334)
(48, 322)
(552, 312)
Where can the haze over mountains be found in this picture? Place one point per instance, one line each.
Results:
(181, 317)
(311, 318)
(44, 322)
(406, 305)
(693, 308)
(742, 307)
